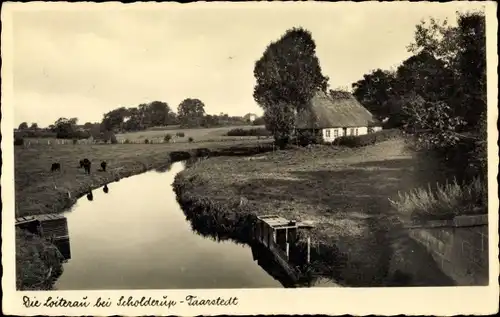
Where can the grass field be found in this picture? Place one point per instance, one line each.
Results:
(344, 191)
(39, 191)
(198, 135)
(157, 135)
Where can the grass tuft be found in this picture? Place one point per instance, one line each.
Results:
(443, 202)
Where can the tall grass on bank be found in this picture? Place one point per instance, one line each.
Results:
(444, 202)
(38, 262)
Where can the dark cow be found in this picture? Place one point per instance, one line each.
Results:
(103, 166)
(90, 196)
(85, 163)
(55, 167)
(105, 189)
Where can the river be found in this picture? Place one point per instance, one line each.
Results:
(136, 236)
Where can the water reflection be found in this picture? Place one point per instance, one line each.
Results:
(208, 226)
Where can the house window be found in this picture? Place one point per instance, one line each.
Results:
(370, 130)
(356, 131)
(335, 133)
(327, 133)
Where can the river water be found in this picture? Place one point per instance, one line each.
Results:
(136, 236)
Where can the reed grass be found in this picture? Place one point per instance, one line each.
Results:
(443, 202)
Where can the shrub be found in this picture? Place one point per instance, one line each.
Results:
(248, 132)
(72, 135)
(167, 138)
(190, 139)
(444, 202)
(146, 141)
(75, 141)
(127, 141)
(367, 139)
(306, 137)
(180, 134)
(38, 133)
(18, 141)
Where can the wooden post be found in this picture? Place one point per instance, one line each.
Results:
(308, 249)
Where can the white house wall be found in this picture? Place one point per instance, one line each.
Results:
(329, 134)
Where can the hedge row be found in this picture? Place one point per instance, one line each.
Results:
(367, 139)
(248, 132)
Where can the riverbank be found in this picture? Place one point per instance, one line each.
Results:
(38, 191)
(358, 238)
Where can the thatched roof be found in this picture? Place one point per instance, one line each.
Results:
(340, 109)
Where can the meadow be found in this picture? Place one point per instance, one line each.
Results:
(157, 135)
(217, 134)
(40, 191)
(344, 191)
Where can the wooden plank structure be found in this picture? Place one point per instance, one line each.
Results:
(277, 234)
(53, 227)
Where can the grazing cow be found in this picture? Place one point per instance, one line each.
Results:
(86, 165)
(81, 164)
(105, 189)
(55, 167)
(90, 196)
(103, 166)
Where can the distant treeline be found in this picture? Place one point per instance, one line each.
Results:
(155, 115)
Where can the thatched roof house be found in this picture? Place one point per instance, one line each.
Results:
(335, 115)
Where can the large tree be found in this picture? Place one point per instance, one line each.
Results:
(114, 119)
(461, 50)
(455, 125)
(471, 60)
(190, 112)
(287, 74)
(375, 91)
(159, 112)
(65, 128)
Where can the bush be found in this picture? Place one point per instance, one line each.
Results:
(248, 132)
(190, 139)
(72, 135)
(18, 141)
(38, 133)
(180, 134)
(167, 138)
(75, 141)
(127, 141)
(367, 139)
(306, 137)
(443, 202)
(146, 141)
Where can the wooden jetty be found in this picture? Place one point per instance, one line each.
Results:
(51, 227)
(277, 234)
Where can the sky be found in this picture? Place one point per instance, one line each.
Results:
(83, 63)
